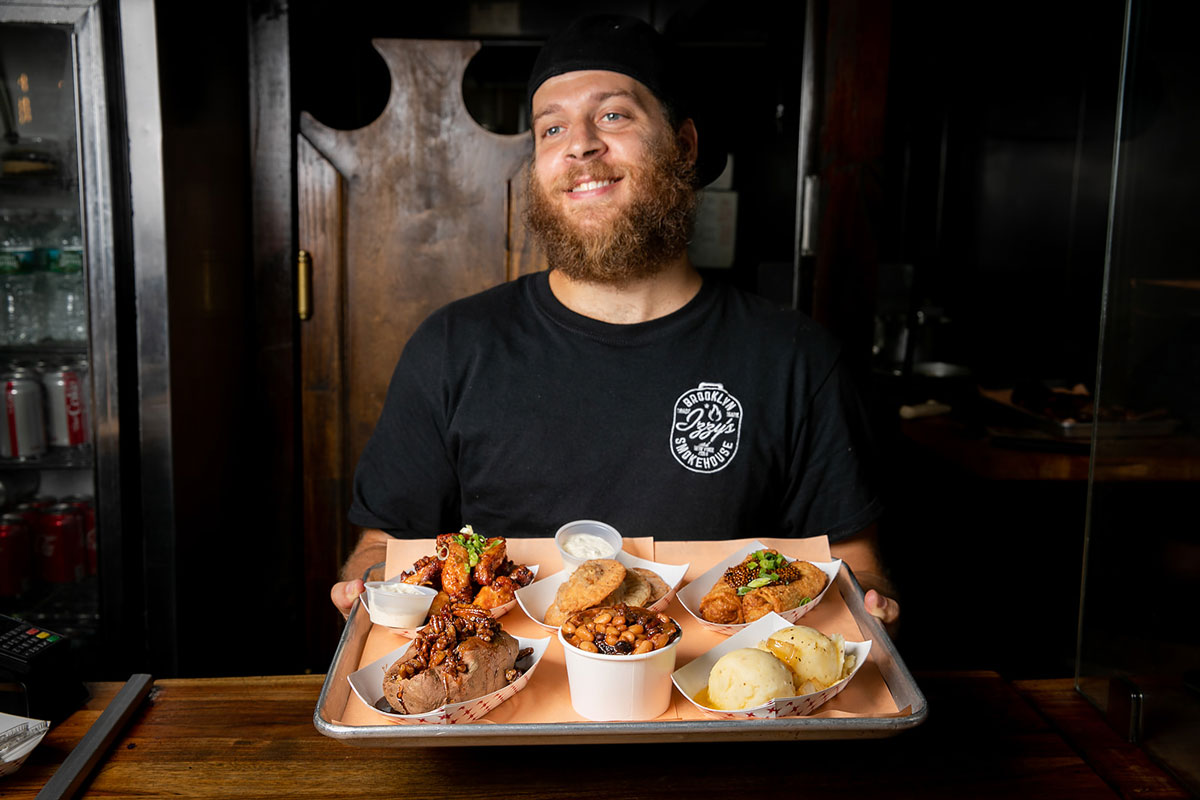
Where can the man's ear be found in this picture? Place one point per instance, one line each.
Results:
(688, 139)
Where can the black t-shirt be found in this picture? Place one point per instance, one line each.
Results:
(729, 418)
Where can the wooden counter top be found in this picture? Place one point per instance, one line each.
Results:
(254, 738)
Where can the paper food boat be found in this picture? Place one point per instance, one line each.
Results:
(693, 676)
(538, 596)
(497, 612)
(691, 595)
(367, 683)
(18, 738)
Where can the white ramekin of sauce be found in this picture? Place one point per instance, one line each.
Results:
(585, 539)
(395, 604)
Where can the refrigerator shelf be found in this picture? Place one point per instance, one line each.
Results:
(76, 459)
(43, 350)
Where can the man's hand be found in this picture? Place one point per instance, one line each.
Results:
(861, 552)
(344, 594)
(370, 550)
(883, 608)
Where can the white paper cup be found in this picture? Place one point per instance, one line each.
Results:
(394, 610)
(590, 526)
(630, 687)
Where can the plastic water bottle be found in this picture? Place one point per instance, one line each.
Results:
(18, 283)
(66, 295)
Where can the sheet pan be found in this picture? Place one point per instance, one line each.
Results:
(336, 693)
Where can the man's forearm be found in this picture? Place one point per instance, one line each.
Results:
(861, 554)
(370, 550)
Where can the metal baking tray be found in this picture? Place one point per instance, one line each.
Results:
(336, 693)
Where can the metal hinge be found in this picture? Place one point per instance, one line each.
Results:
(304, 285)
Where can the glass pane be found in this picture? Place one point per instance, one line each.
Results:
(1139, 645)
(48, 558)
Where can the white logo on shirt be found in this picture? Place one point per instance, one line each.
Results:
(706, 428)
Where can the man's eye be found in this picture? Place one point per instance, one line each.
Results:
(553, 130)
(612, 116)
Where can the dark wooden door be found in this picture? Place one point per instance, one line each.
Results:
(418, 208)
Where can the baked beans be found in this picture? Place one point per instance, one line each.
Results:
(620, 630)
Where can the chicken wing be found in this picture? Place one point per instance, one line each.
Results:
(491, 561)
(456, 569)
(501, 590)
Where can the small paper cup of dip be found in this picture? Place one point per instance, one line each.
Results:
(619, 687)
(395, 604)
(585, 539)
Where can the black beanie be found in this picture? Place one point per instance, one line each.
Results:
(631, 47)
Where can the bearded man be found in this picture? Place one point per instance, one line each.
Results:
(619, 385)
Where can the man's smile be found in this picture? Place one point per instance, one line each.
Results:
(588, 185)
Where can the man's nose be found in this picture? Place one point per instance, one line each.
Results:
(585, 143)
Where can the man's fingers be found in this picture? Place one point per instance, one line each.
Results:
(345, 593)
(884, 608)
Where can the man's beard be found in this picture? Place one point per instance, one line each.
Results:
(639, 241)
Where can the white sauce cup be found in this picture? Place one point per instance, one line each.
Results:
(601, 530)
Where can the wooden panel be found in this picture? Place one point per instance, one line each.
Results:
(319, 196)
(426, 213)
(418, 208)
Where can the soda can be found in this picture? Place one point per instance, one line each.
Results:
(66, 410)
(30, 512)
(23, 428)
(87, 514)
(16, 556)
(60, 556)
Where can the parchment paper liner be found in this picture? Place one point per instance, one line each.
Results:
(693, 676)
(691, 595)
(367, 683)
(497, 612)
(537, 597)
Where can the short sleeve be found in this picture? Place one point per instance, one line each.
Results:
(405, 482)
(831, 489)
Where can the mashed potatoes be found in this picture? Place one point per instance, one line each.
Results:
(746, 678)
(815, 660)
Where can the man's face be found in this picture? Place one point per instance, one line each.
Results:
(611, 193)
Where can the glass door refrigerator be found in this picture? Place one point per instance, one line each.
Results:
(68, 564)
